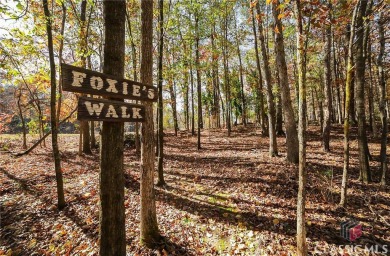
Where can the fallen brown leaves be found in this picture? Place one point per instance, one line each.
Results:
(230, 198)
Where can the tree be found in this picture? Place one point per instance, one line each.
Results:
(291, 128)
(198, 77)
(259, 86)
(328, 80)
(273, 147)
(365, 174)
(382, 87)
(149, 230)
(160, 138)
(348, 82)
(302, 175)
(53, 119)
(112, 212)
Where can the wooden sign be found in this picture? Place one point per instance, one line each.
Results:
(109, 110)
(75, 79)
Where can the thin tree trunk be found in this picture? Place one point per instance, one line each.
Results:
(348, 82)
(62, 30)
(112, 212)
(273, 147)
(198, 80)
(301, 211)
(215, 108)
(365, 174)
(86, 149)
(382, 105)
(160, 138)
(289, 118)
(135, 76)
(53, 120)
(241, 77)
(192, 99)
(328, 81)
(149, 229)
(226, 74)
(259, 80)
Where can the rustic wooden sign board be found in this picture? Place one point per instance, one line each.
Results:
(75, 79)
(109, 110)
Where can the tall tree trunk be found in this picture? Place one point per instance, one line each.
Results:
(328, 81)
(273, 147)
(348, 82)
(259, 80)
(365, 174)
(289, 118)
(60, 50)
(243, 117)
(112, 211)
(226, 73)
(337, 83)
(86, 149)
(53, 120)
(198, 80)
(160, 138)
(382, 89)
(301, 211)
(215, 108)
(149, 229)
(135, 76)
(192, 99)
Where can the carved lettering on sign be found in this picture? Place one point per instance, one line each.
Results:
(75, 79)
(109, 110)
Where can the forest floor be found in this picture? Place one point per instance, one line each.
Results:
(230, 198)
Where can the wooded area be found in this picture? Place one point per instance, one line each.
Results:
(264, 122)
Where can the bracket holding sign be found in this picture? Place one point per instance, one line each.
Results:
(76, 79)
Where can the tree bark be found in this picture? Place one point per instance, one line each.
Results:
(53, 120)
(242, 94)
(112, 212)
(289, 118)
(160, 138)
(84, 126)
(328, 81)
(259, 80)
(348, 82)
(135, 76)
(198, 80)
(215, 76)
(149, 230)
(273, 147)
(365, 174)
(302, 175)
(382, 89)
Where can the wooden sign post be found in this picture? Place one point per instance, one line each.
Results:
(75, 79)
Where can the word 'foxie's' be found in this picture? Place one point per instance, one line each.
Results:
(97, 83)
